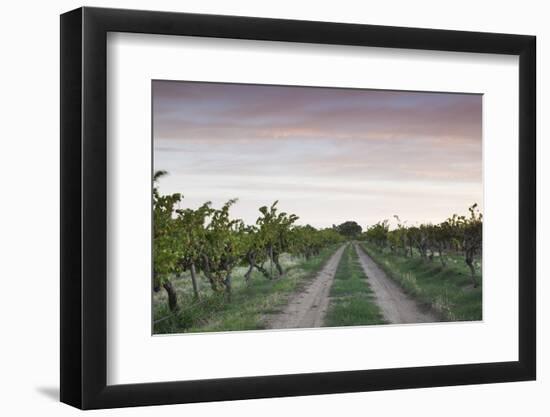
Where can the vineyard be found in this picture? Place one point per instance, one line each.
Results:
(214, 272)
(208, 243)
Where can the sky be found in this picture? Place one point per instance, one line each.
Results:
(326, 154)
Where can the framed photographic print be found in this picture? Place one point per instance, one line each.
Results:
(258, 207)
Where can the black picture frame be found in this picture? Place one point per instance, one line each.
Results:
(84, 207)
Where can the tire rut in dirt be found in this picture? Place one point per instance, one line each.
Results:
(307, 308)
(396, 306)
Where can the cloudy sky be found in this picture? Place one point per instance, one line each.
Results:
(327, 154)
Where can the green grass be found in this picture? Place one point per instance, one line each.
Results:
(446, 289)
(352, 302)
(249, 305)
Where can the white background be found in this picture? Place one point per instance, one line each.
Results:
(29, 213)
(133, 60)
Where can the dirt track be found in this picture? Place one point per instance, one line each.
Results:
(396, 306)
(308, 308)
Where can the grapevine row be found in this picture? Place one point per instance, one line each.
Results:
(208, 242)
(458, 234)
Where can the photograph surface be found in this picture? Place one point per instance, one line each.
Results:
(281, 207)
